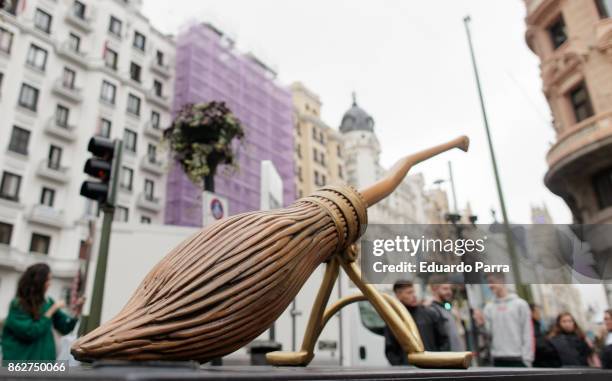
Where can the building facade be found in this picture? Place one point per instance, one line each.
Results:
(70, 70)
(208, 68)
(409, 203)
(318, 147)
(573, 40)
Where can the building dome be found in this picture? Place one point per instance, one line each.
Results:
(356, 119)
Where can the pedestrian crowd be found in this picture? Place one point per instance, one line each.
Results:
(511, 329)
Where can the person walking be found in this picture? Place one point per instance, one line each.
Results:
(27, 334)
(442, 296)
(606, 352)
(429, 323)
(507, 323)
(545, 354)
(569, 341)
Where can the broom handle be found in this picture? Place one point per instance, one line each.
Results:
(382, 188)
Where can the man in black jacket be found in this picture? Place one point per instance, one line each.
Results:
(430, 324)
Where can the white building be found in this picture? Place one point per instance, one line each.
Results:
(68, 70)
(409, 202)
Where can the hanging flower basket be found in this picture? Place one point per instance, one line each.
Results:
(200, 138)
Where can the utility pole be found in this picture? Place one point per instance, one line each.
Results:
(523, 290)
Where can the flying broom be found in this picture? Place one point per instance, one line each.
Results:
(221, 288)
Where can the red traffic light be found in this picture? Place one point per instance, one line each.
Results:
(98, 168)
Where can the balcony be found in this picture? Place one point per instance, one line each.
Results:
(46, 215)
(152, 204)
(152, 165)
(162, 101)
(12, 258)
(161, 69)
(82, 23)
(67, 133)
(152, 131)
(73, 93)
(66, 51)
(59, 174)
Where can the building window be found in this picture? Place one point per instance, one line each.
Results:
(9, 187)
(338, 151)
(40, 243)
(323, 180)
(152, 153)
(105, 128)
(6, 231)
(340, 175)
(42, 20)
(581, 103)
(317, 180)
(114, 27)
(145, 220)
(28, 97)
(298, 150)
(127, 178)
(1, 81)
(133, 105)
(322, 158)
(108, 92)
(110, 58)
(20, 139)
(135, 72)
(139, 41)
(299, 173)
(78, 9)
(157, 88)
(129, 140)
(47, 197)
(122, 214)
(155, 119)
(9, 6)
(159, 57)
(74, 42)
(68, 78)
(6, 41)
(37, 57)
(605, 8)
(602, 182)
(558, 32)
(61, 116)
(149, 190)
(55, 157)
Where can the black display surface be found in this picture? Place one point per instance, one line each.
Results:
(189, 371)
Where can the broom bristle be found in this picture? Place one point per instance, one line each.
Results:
(223, 287)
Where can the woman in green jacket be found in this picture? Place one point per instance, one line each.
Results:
(27, 333)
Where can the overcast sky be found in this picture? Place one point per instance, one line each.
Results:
(409, 63)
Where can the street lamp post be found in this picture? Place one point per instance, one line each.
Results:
(522, 289)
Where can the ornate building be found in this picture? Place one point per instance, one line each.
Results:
(409, 204)
(573, 40)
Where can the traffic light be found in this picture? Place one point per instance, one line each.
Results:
(104, 166)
